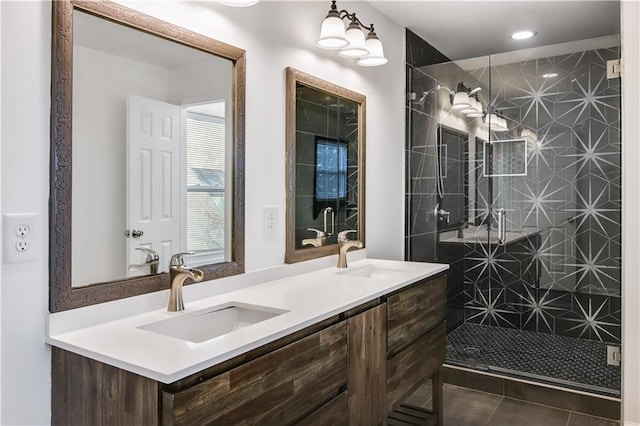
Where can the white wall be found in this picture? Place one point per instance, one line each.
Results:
(186, 83)
(1, 230)
(25, 86)
(630, 13)
(273, 41)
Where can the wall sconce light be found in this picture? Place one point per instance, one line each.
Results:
(238, 3)
(475, 109)
(465, 100)
(352, 42)
(496, 122)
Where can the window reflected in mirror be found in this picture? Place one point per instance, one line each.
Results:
(325, 132)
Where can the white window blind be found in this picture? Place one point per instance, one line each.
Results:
(205, 183)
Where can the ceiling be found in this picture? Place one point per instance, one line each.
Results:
(468, 29)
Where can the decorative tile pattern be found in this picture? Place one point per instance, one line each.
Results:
(565, 280)
(565, 360)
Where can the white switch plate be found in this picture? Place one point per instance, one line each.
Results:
(21, 237)
(270, 219)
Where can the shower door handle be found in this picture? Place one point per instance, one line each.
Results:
(502, 227)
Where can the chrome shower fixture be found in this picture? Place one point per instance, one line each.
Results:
(412, 97)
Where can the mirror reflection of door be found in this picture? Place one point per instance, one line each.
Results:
(174, 205)
(153, 159)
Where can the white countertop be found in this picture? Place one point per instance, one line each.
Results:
(309, 297)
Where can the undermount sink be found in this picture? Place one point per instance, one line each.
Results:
(212, 322)
(371, 271)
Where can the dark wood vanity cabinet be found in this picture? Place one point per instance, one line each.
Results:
(416, 341)
(282, 387)
(351, 369)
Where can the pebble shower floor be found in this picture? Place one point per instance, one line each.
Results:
(567, 361)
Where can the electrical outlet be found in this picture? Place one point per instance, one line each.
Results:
(23, 230)
(17, 247)
(23, 245)
(270, 219)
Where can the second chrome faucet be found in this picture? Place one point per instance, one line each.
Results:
(178, 273)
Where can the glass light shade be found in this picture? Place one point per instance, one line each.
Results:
(503, 124)
(332, 34)
(239, 3)
(356, 47)
(490, 120)
(496, 123)
(478, 111)
(471, 108)
(376, 53)
(460, 101)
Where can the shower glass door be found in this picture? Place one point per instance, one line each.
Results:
(534, 285)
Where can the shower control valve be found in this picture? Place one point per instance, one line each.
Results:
(442, 214)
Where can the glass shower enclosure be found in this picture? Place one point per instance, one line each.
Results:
(514, 178)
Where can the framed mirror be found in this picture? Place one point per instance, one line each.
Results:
(147, 153)
(325, 161)
(453, 182)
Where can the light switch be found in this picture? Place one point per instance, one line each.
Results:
(270, 219)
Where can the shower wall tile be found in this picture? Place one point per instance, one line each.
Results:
(566, 279)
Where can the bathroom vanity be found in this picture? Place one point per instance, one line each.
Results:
(339, 347)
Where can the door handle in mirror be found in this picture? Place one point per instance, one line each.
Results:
(135, 233)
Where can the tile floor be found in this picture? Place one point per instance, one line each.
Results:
(467, 407)
(581, 363)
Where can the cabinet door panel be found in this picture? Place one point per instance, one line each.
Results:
(414, 365)
(332, 413)
(281, 387)
(415, 311)
(367, 366)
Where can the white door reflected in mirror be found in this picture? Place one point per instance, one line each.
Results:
(162, 171)
(175, 182)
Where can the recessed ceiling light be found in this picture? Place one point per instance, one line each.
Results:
(522, 35)
(550, 75)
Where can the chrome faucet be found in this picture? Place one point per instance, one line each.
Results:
(151, 261)
(344, 245)
(319, 240)
(178, 273)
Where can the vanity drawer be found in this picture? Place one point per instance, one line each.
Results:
(333, 413)
(281, 387)
(414, 311)
(414, 365)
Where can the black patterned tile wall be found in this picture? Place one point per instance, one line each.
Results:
(564, 279)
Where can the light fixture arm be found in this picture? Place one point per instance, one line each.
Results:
(352, 42)
(353, 18)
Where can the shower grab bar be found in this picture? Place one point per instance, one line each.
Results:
(502, 227)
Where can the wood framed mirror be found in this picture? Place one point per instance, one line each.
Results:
(325, 160)
(147, 153)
